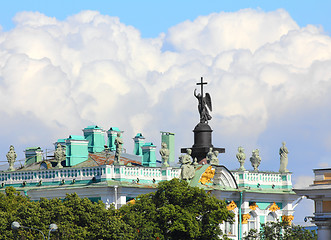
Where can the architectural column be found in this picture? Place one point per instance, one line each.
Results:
(244, 224)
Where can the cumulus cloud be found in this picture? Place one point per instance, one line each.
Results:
(302, 181)
(266, 75)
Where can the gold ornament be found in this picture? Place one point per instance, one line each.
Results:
(253, 206)
(207, 175)
(245, 217)
(274, 207)
(287, 219)
(232, 205)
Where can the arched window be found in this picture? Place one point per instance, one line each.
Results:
(271, 217)
(252, 221)
(229, 227)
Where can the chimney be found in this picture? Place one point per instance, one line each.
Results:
(138, 143)
(149, 158)
(95, 137)
(169, 139)
(77, 150)
(33, 155)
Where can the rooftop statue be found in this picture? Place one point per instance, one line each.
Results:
(204, 102)
(59, 155)
(241, 156)
(283, 159)
(164, 152)
(11, 157)
(188, 170)
(212, 157)
(118, 151)
(255, 159)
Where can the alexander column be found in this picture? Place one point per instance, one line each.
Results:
(202, 131)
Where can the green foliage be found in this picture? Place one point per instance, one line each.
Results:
(176, 211)
(77, 218)
(281, 231)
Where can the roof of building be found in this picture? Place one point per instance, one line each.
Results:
(93, 127)
(98, 159)
(76, 137)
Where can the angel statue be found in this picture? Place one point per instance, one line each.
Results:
(203, 104)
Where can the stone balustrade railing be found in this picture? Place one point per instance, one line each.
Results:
(263, 180)
(100, 173)
(251, 180)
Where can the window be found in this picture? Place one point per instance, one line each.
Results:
(271, 217)
(229, 228)
(252, 222)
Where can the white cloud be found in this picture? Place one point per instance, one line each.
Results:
(302, 181)
(218, 32)
(323, 165)
(261, 69)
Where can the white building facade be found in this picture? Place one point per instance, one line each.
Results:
(257, 197)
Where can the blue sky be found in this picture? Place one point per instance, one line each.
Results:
(134, 65)
(154, 17)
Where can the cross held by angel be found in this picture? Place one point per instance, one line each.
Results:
(204, 103)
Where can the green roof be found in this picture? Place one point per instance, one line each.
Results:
(149, 144)
(114, 129)
(32, 148)
(139, 135)
(93, 127)
(76, 137)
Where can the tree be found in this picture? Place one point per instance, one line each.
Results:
(281, 231)
(176, 211)
(77, 218)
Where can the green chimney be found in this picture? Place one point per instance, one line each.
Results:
(112, 134)
(169, 139)
(33, 155)
(138, 143)
(77, 150)
(95, 137)
(148, 151)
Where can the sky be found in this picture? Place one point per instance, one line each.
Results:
(65, 65)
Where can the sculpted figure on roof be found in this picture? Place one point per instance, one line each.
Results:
(164, 152)
(188, 170)
(11, 157)
(255, 159)
(59, 155)
(241, 156)
(118, 151)
(212, 157)
(283, 158)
